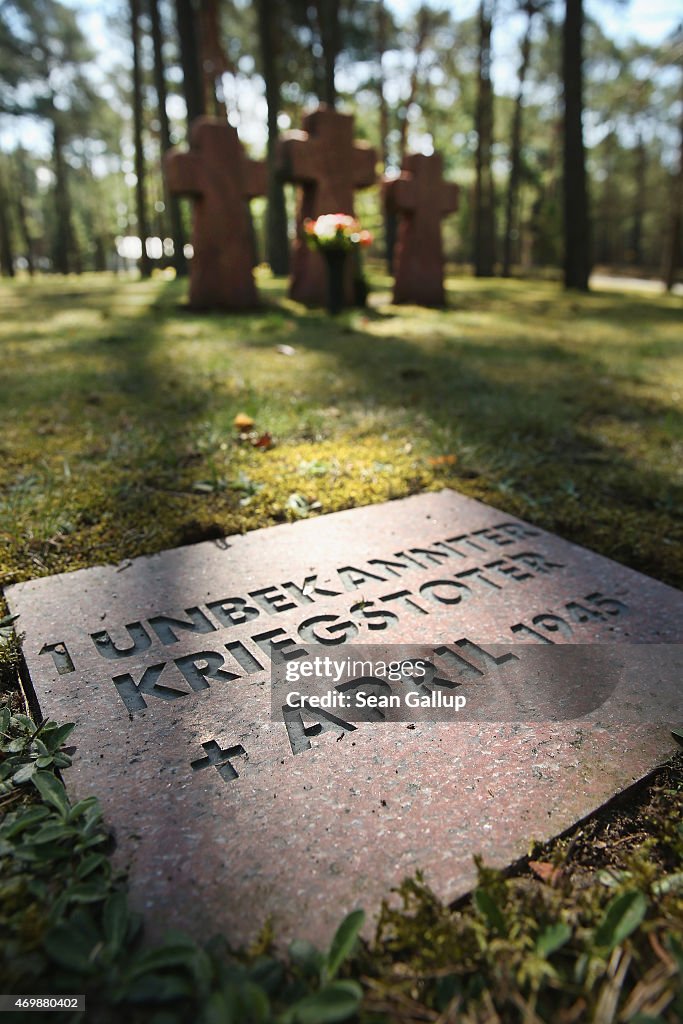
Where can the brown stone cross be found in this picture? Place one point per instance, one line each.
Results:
(221, 180)
(421, 198)
(328, 165)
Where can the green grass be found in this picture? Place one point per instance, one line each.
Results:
(118, 439)
(118, 407)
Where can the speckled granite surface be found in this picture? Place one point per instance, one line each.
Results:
(163, 663)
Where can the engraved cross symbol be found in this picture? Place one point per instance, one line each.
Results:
(220, 759)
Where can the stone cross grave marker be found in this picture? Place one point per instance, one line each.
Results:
(421, 198)
(221, 180)
(224, 796)
(328, 165)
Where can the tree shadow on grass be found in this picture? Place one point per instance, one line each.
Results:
(113, 421)
(553, 432)
(544, 430)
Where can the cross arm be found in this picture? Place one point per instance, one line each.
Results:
(399, 193)
(296, 157)
(255, 178)
(364, 163)
(183, 173)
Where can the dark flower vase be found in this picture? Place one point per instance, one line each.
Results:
(336, 264)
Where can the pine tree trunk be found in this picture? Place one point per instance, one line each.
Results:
(516, 150)
(388, 215)
(94, 219)
(420, 44)
(576, 222)
(213, 60)
(193, 85)
(403, 126)
(639, 204)
(6, 252)
(172, 203)
(64, 257)
(484, 230)
(674, 244)
(605, 220)
(328, 21)
(381, 97)
(277, 240)
(140, 203)
(22, 217)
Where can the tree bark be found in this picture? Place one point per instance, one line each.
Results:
(381, 98)
(22, 216)
(94, 220)
(516, 149)
(6, 251)
(213, 60)
(577, 263)
(420, 43)
(328, 21)
(391, 222)
(277, 240)
(193, 84)
(484, 215)
(605, 226)
(64, 257)
(172, 203)
(674, 243)
(389, 217)
(140, 202)
(639, 202)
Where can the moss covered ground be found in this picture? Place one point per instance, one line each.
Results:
(118, 439)
(118, 409)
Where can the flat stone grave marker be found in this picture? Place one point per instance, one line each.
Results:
(223, 798)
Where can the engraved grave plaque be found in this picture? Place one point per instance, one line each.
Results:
(223, 802)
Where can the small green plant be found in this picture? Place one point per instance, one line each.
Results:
(10, 652)
(67, 927)
(622, 916)
(28, 748)
(585, 945)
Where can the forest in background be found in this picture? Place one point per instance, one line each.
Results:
(537, 191)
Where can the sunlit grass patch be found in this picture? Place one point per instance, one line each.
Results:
(118, 408)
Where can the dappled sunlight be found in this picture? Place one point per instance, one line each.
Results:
(119, 436)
